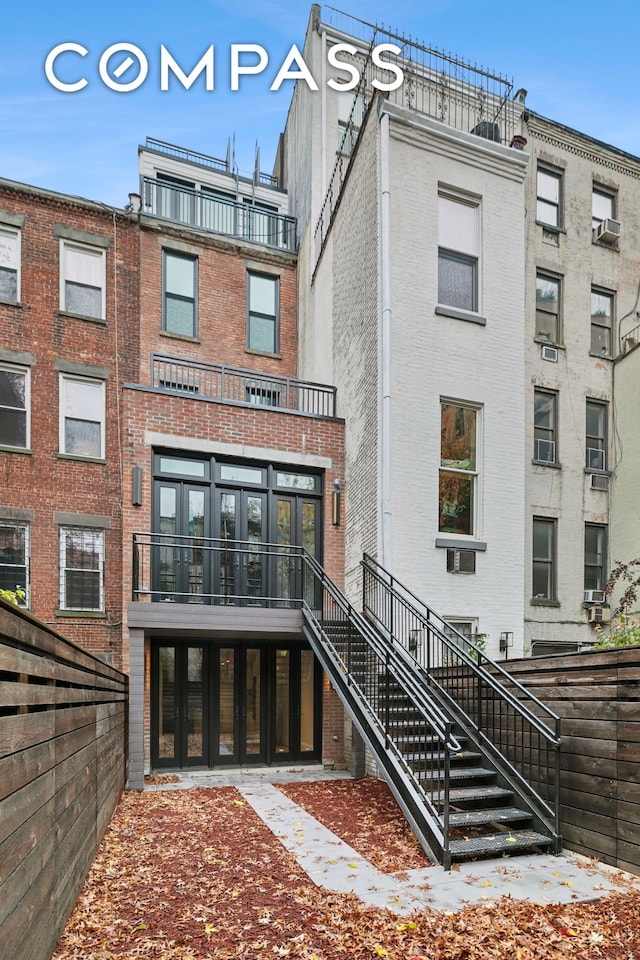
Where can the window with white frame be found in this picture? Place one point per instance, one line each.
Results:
(549, 197)
(14, 558)
(180, 287)
(545, 426)
(457, 253)
(263, 312)
(14, 406)
(9, 264)
(548, 315)
(596, 434)
(458, 468)
(601, 322)
(81, 568)
(544, 559)
(82, 280)
(82, 417)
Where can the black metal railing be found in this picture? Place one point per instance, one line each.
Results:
(217, 381)
(216, 213)
(518, 731)
(213, 163)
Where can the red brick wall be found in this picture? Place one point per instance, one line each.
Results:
(42, 481)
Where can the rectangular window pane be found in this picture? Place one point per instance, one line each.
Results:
(83, 409)
(548, 200)
(83, 299)
(596, 435)
(179, 316)
(262, 334)
(14, 543)
(457, 281)
(83, 438)
(13, 408)
(83, 281)
(456, 503)
(594, 557)
(601, 322)
(240, 474)
(547, 308)
(543, 559)
(458, 437)
(262, 293)
(180, 285)
(189, 468)
(544, 420)
(456, 225)
(603, 207)
(81, 569)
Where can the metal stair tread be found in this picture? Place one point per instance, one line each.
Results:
(474, 818)
(488, 792)
(498, 843)
(460, 773)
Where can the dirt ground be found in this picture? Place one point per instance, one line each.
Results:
(196, 874)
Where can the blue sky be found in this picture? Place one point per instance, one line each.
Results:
(578, 61)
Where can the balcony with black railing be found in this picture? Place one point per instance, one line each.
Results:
(249, 388)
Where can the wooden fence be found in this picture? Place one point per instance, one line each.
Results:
(597, 696)
(62, 770)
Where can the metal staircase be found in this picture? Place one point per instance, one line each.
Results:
(470, 755)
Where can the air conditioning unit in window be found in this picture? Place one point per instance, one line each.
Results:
(461, 561)
(599, 614)
(608, 231)
(599, 481)
(550, 353)
(594, 596)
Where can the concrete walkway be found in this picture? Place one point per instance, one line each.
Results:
(333, 864)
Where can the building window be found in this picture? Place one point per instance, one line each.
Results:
(458, 469)
(14, 558)
(548, 308)
(83, 280)
(603, 205)
(595, 556)
(601, 322)
(9, 264)
(82, 417)
(549, 197)
(596, 435)
(263, 300)
(544, 551)
(545, 426)
(457, 254)
(175, 198)
(180, 285)
(14, 407)
(81, 568)
(260, 222)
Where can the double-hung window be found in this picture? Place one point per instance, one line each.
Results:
(14, 406)
(82, 280)
(603, 205)
(180, 300)
(14, 557)
(549, 197)
(263, 297)
(596, 435)
(595, 556)
(601, 322)
(458, 253)
(9, 264)
(458, 468)
(548, 302)
(545, 426)
(82, 417)
(544, 559)
(81, 568)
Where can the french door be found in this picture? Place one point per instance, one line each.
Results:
(181, 562)
(179, 711)
(241, 572)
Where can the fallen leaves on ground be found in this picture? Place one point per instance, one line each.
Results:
(365, 815)
(189, 875)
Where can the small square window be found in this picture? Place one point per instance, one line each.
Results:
(180, 281)
(14, 558)
(14, 406)
(548, 308)
(9, 264)
(82, 417)
(81, 568)
(82, 280)
(264, 307)
(601, 322)
(457, 254)
(549, 197)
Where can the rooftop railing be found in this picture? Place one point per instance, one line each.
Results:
(215, 213)
(217, 381)
(203, 160)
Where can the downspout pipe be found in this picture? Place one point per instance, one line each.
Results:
(385, 341)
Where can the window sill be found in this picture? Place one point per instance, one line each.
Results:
(601, 356)
(93, 614)
(263, 353)
(607, 246)
(549, 343)
(73, 456)
(23, 450)
(598, 473)
(179, 336)
(10, 303)
(543, 602)
(66, 314)
(443, 311)
(449, 543)
(547, 463)
(550, 227)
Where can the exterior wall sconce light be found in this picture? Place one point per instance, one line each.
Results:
(335, 503)
(506, 641)
(136, 486)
